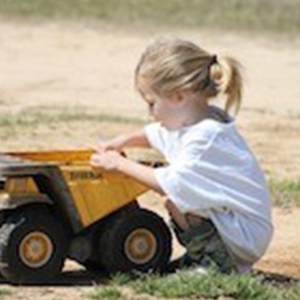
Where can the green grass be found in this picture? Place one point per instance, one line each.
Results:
(258, 15)
(121, 278)
(34, 117)
(14, 124)
(285, 193)
(109, 292)
(4, 293)
(211, 286)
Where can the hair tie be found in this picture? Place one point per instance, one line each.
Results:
(214, 60)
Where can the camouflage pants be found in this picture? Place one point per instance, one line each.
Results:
(204, 247)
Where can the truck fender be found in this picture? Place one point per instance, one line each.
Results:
(12, 202)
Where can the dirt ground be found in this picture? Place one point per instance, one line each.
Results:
(90, 66)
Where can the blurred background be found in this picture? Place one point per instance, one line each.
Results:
(256, 15)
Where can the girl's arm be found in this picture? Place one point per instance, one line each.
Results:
(135, 139)
(113, 161)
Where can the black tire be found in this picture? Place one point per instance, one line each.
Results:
(93, 266)
(93, 263)
(32, 247)
(139, 240)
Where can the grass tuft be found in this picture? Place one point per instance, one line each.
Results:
(121, 278)
(213, 285)
(285, 193)
(109, 292)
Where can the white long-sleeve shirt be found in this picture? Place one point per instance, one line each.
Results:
(212, 173)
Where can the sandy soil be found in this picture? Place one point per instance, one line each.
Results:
(90, 66)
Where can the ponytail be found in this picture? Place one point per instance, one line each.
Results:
(227, 77)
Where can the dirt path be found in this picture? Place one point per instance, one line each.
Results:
(90, 66)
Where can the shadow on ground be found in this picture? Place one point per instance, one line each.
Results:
(70, 278)
(276, 279)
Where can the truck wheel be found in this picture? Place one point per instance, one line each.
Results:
(138, 240)
(32, 247)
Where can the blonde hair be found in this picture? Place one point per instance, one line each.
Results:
(173, 64)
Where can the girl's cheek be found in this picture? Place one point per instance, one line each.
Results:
(155, 112)
(154, 115)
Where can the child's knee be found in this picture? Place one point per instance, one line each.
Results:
(170, 206)
(177, 216)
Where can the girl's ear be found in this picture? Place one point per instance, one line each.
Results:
(181, 97)
(178, 97)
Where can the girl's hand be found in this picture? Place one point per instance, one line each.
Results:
(108, 160)
(115, 144)
(114, 161)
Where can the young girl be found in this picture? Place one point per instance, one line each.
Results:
(217, 195)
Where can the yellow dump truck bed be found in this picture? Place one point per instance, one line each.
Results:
(94, 194)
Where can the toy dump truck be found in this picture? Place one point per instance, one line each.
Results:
(53, 206)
